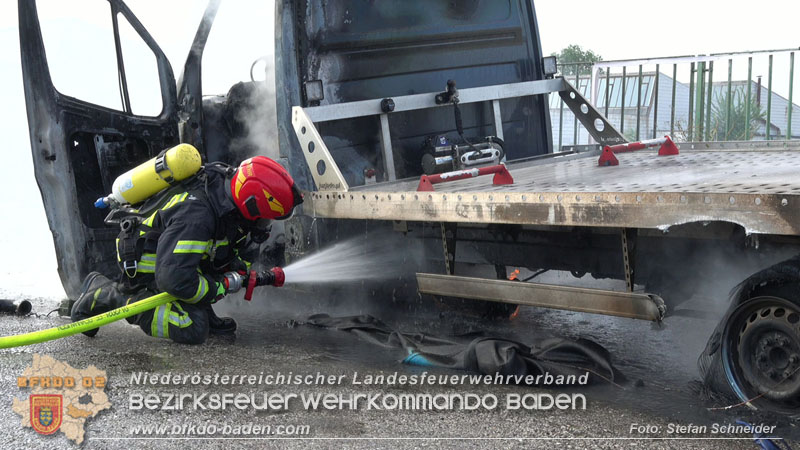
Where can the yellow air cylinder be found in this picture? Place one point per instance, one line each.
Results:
(150, 177)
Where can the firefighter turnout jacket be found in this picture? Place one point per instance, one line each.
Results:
(185, 246)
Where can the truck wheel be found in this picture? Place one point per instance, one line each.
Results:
(760, 349)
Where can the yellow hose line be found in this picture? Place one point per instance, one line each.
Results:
(86, 324)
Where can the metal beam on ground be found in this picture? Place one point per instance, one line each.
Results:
(596, 301)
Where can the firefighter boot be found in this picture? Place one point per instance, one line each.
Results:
(220, 325)
(98, 295)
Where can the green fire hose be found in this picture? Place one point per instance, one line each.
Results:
(86, 324)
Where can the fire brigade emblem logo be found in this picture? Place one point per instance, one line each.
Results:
(60, 398)
(46, 413)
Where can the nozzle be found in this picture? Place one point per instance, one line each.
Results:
(280, 276)
(272, 277)
(22, 308)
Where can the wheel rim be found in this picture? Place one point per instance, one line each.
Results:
(762, 352)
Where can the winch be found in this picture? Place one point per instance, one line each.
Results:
(440, 154)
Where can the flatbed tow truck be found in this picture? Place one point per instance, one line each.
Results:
(360, 103)
(693, 195)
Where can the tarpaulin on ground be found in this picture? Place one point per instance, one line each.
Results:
(479, 353)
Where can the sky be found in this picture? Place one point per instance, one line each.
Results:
(615, 29)
(623, 29)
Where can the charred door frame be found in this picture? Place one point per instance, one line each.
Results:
(55, 119)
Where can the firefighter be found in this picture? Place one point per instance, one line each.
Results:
(187, 245)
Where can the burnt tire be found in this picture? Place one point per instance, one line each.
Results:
(754, 353)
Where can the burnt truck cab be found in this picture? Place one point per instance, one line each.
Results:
(370, 94)
(326, 53)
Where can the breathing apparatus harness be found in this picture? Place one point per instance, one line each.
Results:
(132, 244)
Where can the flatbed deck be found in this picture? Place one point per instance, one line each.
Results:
(755, 185)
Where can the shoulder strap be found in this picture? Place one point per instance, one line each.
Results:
(127, 248)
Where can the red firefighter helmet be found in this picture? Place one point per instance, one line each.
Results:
(263, 189)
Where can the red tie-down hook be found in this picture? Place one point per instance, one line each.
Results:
(666, 147)
(501, 176)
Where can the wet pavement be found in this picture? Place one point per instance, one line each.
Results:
(658, 362)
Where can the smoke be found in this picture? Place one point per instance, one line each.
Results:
(251, 114)
(710, 271)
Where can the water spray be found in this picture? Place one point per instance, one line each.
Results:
(352, 260)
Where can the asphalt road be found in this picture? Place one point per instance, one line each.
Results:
(658, 362)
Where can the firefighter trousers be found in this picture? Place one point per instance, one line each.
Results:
(184, 323)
